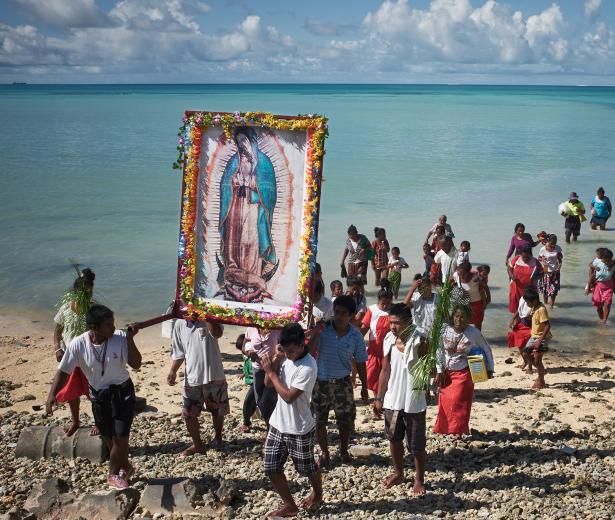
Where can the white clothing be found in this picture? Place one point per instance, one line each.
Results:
(110, 357)
(524, 309)
(323, 309)
(376, 313)
(395, 264)
(193, 342)
(454, 347)
(355, 246)
(549, 259)
(265, 343)
(423, 312)
(296, 417)
(463, 256)
(401, 393)
(445, 261)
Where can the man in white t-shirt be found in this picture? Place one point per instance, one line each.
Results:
(445, 257)
(204, 381)
(423, 302)
(404, 405)
(292, 426)
(102, 354)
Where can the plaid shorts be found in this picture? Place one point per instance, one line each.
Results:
(530, 346)
(336, 394)
(214, 396)
(399, 424)
(279, 446)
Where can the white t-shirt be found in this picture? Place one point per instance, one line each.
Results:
(193, 342)
(423, 312)
(400, 394)
(296, 417)
(92, 359)
(396, 264)
(524, 309)
(445, 260)
(323, 309)
(549, 259)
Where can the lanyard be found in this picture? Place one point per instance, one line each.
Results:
(103, 358)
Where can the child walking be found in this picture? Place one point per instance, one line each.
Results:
(540, 336)
(381, 254)
(292, 373)
(601, 272)
(396, 264)
(249, 400)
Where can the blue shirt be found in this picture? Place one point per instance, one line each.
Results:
(603, 272)
(602, 208)
(335, 354)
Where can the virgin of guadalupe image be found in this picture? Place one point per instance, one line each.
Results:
(248, 194)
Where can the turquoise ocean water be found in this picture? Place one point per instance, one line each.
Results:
(86, 174)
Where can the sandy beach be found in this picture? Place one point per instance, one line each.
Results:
(546, 454)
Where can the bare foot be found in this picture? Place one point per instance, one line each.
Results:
(285, 511)
(522, 366)
(392, 480)
(347, 458)
(245, 428)
(538, 385)
(312, 502)
(192, 450)
(94, 431)
(71, 428)
(418, 488)
(324, 461)
(529, 370)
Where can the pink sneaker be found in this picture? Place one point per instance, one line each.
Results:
(117, 481)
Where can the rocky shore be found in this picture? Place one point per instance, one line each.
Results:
(548, 454)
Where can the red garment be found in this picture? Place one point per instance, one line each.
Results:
(478, 313)
(602, 293)
(378, 322)
(519, 336)
(76, 386)
(455, 403)
(381, 253)
(523, 275)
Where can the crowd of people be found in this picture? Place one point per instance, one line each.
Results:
(297, 375)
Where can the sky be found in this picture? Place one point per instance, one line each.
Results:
(568, 42)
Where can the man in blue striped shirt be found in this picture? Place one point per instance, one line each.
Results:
(336, 344)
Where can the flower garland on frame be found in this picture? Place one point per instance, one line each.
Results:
(189, 153)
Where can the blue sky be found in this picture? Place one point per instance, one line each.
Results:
(375, 41)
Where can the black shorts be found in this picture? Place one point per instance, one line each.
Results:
(279, 446)
(399, 424)
(114, 409)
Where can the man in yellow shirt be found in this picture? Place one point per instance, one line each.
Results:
(541, 334)
(575, 214)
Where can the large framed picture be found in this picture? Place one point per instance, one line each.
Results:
(249, 216)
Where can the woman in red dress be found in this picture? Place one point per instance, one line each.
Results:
(376, 320)
(524, 271)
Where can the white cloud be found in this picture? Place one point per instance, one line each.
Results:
(592, 9)
(65, 13)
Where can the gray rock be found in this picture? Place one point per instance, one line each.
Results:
(48, 497)
(103, 505)
(226, 492)
(360, 450)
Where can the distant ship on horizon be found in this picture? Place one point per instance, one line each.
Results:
(19, 83)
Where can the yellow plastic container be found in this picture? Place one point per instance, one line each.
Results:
(477, 367)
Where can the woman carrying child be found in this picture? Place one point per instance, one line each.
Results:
(601, 272)
(550, 256)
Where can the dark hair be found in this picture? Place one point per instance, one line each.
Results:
(519, 225)
(336, 283)
(600, 190)
(395, 249)
(552, 238)
(292, 334)
(319, 287)
(85, 279)
(354, 280)
(239, 341)
(441, 228)
(600, 252)
(526, 249)
(401, 310)
(417, 276)
(467, 312)
(465, 243)
(96, 315)
(318, 268)
(385, 291)
(465, 266)
(377, 230)
(607, 254)
(250, 133)
(347, 302)
(530, 294)
(352, 229)
(483, 268)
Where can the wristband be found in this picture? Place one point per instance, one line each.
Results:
(379, 399)
(59, 350)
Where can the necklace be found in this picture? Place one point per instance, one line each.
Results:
(100, 355)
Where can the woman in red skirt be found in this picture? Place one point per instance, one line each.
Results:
(453, 378)
(70, 323)
(524, 271)
(376, 321)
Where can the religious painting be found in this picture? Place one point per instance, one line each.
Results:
(249, 223)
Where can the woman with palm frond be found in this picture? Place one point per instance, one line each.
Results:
(70, 323)
(453, 375)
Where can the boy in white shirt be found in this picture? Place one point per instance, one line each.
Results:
(204, 380)
(102, 354)
(291, 426)
(404, 405)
